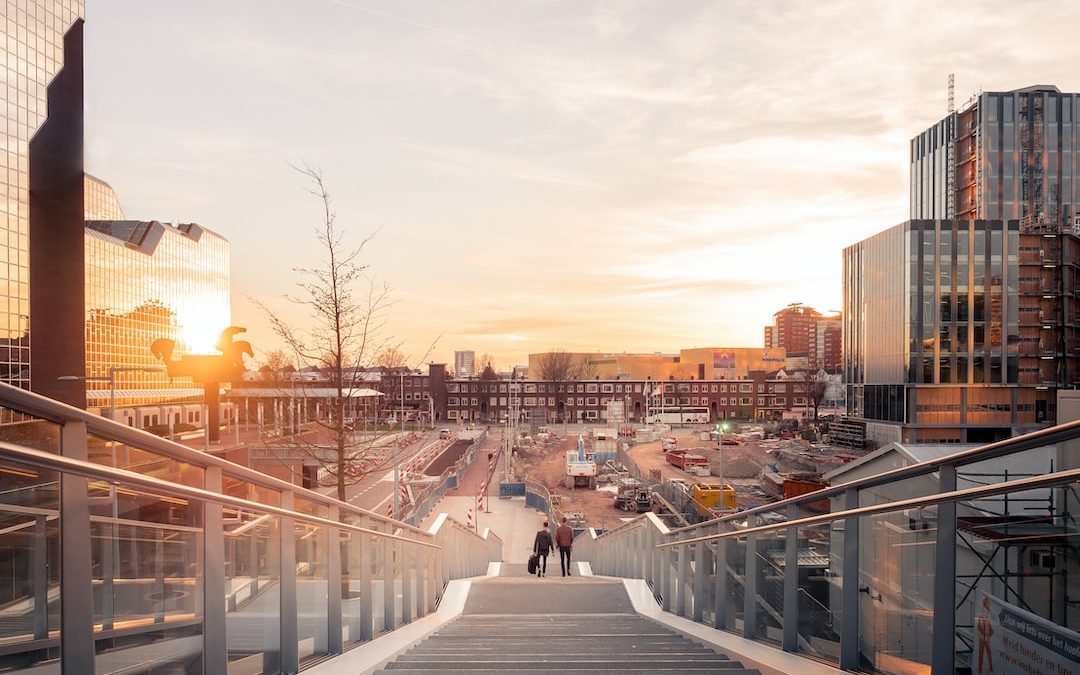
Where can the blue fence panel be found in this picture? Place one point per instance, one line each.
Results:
(511, 489)
(536, 501)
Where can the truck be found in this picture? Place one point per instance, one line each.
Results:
(580, 472)
(668, 443)
(712, 497)
(688, 462)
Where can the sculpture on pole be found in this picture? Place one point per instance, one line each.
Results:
(210, 370)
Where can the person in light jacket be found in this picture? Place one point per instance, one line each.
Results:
(564, 539)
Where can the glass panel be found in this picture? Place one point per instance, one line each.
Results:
(147, 574)
(311, 590)
(896, 600)
(1016, 556)
(820, 564)
(121, 456)
(252, 574)
(29, 567)
(770, 587)
(736, 564)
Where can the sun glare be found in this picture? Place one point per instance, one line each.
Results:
(200, 329)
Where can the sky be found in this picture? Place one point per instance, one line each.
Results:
(557, 174)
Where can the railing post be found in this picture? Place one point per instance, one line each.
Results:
(290, 656)
(40, 578)
(750, 584)
(215, 645)
(76, 586)
(159, 574)
(367, 587)
(849, 590)
(655, 557)
(422, 580)
(720, 580)
(665, 578)
(333, 584)
(389, 581)
(406, 583)
(681, 580)
(700, 572)
(791, 582)
(944, 657)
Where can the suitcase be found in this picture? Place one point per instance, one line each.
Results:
(533, 560)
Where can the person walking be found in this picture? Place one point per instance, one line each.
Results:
(564, 539)
(541, 547)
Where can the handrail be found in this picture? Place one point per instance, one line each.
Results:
(50, 410)
(49, 461)
(1029, 441)
(1046, 480)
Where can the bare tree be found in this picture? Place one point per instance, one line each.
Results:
(276, 361)
(557, 367)
(813, 383)
(586, 370)
(391, 358)
(345, 307)
(486, 360)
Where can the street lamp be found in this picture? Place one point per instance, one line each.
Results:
(111, 379)
(721, 428)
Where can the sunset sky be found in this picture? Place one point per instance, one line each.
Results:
(601, 176)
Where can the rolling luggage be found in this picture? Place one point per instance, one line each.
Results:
(533, 560)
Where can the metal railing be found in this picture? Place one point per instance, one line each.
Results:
(888, 578)
(120, 550)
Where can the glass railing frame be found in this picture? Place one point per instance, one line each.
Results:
(607, 552)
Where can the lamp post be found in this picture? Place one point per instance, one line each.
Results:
(721, 427)
(111, 379)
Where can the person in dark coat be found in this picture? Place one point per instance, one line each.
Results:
(564, 539)
(541, 547)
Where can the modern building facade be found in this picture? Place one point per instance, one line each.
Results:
(696, 363)
(960, 331)
(1009, 155)
(144, 281)
(810, 339)
(465, 363)
(42, 206)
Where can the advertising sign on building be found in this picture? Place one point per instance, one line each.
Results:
(1011, 640)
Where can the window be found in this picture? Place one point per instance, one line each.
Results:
(799, 400)
(530, 400)
(551, 400)
(590, 414)
(475, 401)
(581, 400)
(745, 400)
(637, 388)
(760, 388)
(723, 401)
(452, 400)
(745, 388)
(452, 388)
(606, 388)
(591, 400)
(694, 389)
(502, 401)
(451, 414)
(493, 401)
(530, 389)
(761, 400)
(590, 388)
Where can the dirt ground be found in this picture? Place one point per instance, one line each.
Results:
(546, 464)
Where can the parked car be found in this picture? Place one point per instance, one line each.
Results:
(444, 433)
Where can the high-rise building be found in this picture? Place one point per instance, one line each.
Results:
(465, 363)
(960, 331)
(1005, 156)
(41, 309)
(810, 339)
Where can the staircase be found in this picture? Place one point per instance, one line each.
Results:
(520, 624)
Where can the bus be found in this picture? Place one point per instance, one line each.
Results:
(678, 416)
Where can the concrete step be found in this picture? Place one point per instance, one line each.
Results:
(641, 665)
(425, 655)
(620, 668)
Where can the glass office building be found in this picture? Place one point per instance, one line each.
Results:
(41, 186)
(150, 280)
(1006, 155)
(960, 331)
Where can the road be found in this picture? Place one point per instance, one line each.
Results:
(375, 491)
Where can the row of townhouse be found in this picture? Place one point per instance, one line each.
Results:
(760, 396)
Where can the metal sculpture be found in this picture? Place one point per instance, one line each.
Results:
(210, 370)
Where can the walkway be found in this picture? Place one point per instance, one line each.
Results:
(517, 623)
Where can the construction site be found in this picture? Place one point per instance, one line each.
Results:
(601, 477)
